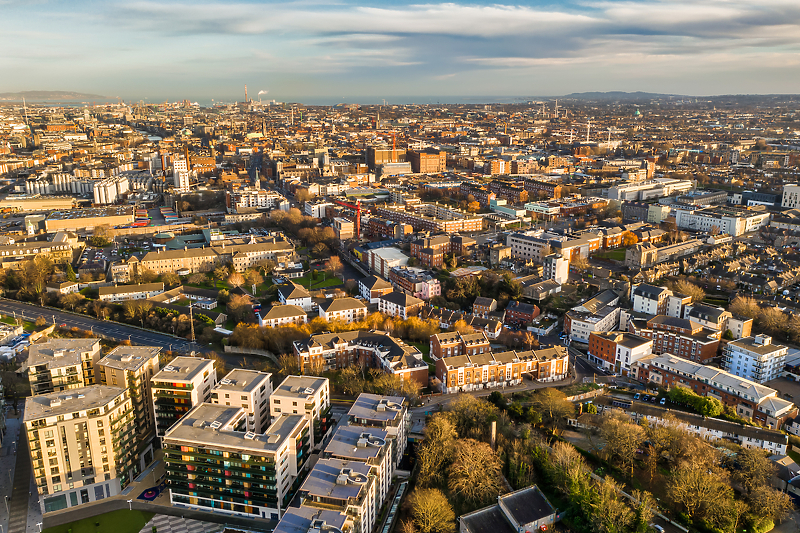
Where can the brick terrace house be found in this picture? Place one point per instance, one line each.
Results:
(431, 250)
(454, 343)
(483, 306)
(521, 313)
(680, 336)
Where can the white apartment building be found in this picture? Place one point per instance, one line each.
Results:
(180, 174)
(754, 358)
(281, 315)
(252, 197)
(556, 267)
(122, 293)
(389, 413)
(250, 390)
(182, 384)
(308, 396)
(346, 309)
(316, 209)
(82, 444)
(791, 196)
(294, 294)
(62, 364)
(726, 220)
(368, 445)
(534, 246)
(649, 299)
(646, 190)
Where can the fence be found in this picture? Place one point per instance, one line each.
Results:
(251, 351)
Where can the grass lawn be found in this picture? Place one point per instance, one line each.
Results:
(29, 327)
(116, 521)
(8, 320)
(617, 254)
(183, 303)
(794, 455)
(319, 283)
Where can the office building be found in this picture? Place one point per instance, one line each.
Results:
(179, 386)
(82, 444)
(250, 390)
(214, 464)
(308, 396)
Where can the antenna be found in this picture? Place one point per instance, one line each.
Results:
(556, 107)
(588, 129)
(191, 320)
(25, 107)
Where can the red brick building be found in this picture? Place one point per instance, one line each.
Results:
(520, 313)
(682, 337)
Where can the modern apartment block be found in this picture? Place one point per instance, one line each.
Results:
(248, 389)
(367, 445)
(649, 299)
(680, 336)
(179, 386)
(62, 364)
(214, 464)
(754, 358)
(616, 351)
(132, 367)
(82, 444)
(308, 396)
(383, 412)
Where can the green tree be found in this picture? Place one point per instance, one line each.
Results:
(71, 273)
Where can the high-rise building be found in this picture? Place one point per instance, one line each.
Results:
(213, 463)
(82, 444)
(62, 364)
(248, 389)
(132, 367)
(308, 396)
(179, 386)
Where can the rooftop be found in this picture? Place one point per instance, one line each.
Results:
(299, 386)
(76, 400)
(337, 479)
(183, 369)
(130, 357)
(376, 407)
(56, 353)
(243, 380)
(357, 443)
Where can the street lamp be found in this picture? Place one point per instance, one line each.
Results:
(130, 506)
(40, 526)
(7, 511)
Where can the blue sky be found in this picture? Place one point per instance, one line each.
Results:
(348, 51)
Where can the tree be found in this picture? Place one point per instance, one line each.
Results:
(622, 439)
(267, 266)
(220, 273)
(690, 289)
(247, 336)
(769, 503)
(287, 365)
(436, 451)
(475, 472)
(579, 262)
(696, 487)
(71, 300)
(71, 273)
(239, 308)
(147, 276)
(553, 405)
(170, 279)
(745, 306)
(473, 207)
(471, 416)
(40, 322)
(609, 513)
(198, 279)
(755, 469)
(235, 280)
(320, 249)
(334, 265)
(253, 278)
(629, 239)
(773, 319)
(462, 327)
(431, 511)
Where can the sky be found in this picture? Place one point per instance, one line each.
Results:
(326, 52)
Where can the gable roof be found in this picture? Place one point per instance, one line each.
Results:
(292, 290)
(342, 304)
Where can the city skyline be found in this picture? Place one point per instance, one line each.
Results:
(327, 51)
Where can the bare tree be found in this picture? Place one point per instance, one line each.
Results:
(235, 280)
(436, 450)
(622, 439)
(475, 472)
(431, 511)
(745, 306)
(690, 289)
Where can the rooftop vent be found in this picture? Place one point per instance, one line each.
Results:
(226, 381)
(249, 435)
(55, 402)
(273, 439)
(215, 425)
(309, 390)
(58, 353)
(169, 368)
(127, 358)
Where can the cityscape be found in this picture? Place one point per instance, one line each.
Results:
(448, 268)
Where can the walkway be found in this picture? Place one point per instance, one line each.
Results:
(20, 503)
(173, 524)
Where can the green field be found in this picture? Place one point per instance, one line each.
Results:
(618, 254)
(114, 522)
(318, 283)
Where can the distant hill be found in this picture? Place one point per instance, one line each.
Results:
(47, 96)
(620, 95)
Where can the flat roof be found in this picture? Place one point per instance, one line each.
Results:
(302, 519)
(344, 443)
(213, 425)
(64, 402)
(130, 357)
(183, 369)
(321, 481)
(298, 386)
(243, 380)
(56, 353)
(366, 407)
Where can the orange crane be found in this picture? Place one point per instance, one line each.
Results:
(357, 209)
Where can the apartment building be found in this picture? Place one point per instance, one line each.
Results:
(754, 358)
(555, 267)
(504, 369)
(680, 336)
(375, 349)
(616, 351)
(427, 161)
(600, 313)
(719, 319)
(344, 228)
(431, 250)
(399, 304)
(346, 309)
(294, 294)
(367, 445)
(791, 196)
(419, 283)
(317, 209)
(62, 364)
(251, 197)
(650, 189)
(122, 293)
(281, 315)
(447, 318)
(389, 413)
(748, 398)
(649, 299)
(213, 463)
(179, 386)
(132, 367)
(732, 221)
(512, 192)
(383, 260)
(454, 343)
(483, 306)
(82, 444)
(372, 288)
(344, 486)
(542, 189)
(308, 396)
(433, 218)
(520, 313)
(250, 390)
(307, 518)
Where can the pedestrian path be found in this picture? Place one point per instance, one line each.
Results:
(20, 503)
(174, 524)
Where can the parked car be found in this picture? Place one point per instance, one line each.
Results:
(663, 401)
(637, 396)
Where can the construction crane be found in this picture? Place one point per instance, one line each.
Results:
(357, 209)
